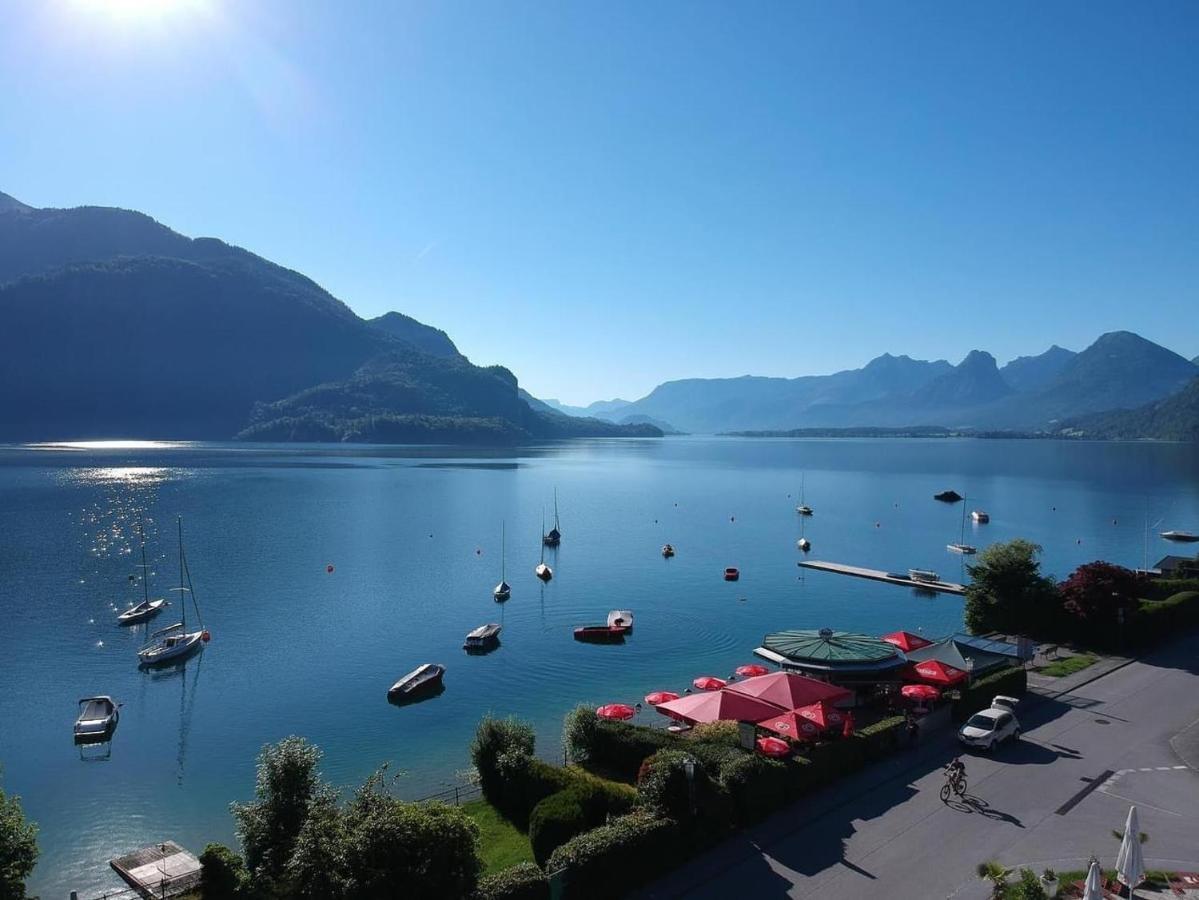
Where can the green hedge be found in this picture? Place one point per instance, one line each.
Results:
(613, 859)
(1159, 619)
(586, 803)
(524, 881)
(756, 787)
(884, 738)
(493, 738)
(524, 782)
(1012, 681)
(622, 748)
(1164, 588)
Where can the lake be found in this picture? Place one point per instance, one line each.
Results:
(413, 535)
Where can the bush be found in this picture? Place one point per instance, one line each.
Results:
(1159, 620)
(493, 738)
(224, 874)
(1163, 588)
(1012, 681)
(726, 734)
(556, 819)
(1008, 593)
(883, 738)
(1096, 599)
(756, 787)
(523, 881)
(611, 860)
(524, 782)
(621, 748)
(18, 848)
(578, 732)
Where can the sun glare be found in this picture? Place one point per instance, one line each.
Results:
(137, 10)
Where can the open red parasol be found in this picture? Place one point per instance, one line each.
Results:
(709, 683)
(656, 697)
(616, 711)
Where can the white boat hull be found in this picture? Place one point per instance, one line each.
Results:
(161, 653)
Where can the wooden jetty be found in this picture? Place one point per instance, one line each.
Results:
(162, 870)
(944, 587)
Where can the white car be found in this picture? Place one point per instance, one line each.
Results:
(989, 727)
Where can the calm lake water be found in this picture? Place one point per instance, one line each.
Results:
(414, 536)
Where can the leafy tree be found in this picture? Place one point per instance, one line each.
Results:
(317, 867)
(287, 786)
(225, 875)
(18, 848)
(493, 738)
(1008, 593)
(1098, 598)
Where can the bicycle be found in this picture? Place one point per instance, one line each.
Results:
(955, 783)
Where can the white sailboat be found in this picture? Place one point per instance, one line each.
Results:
(961, 546)
(175, 643)
(147, 609)
(803, 509)
(544, 572)
(502, 590)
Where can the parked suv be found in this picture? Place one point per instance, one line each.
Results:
(989, 727)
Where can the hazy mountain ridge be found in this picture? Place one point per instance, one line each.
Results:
(1028, 373)
(1176, 418)
(114, 325)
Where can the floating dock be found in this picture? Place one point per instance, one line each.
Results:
(163, 870)
(944, 587)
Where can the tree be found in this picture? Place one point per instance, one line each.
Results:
(286, 787)
(225, 876)
(18, 848)
(493, 738)
(1099, 598)
(1008, 593)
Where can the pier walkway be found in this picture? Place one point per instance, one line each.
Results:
(944, 587)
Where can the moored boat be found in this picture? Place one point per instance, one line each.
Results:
(484, 638)
(964, 549)
(553, 537)
(98, 717)
(980, 516)
(601, 634)
(947, 496)
(667, 550)
(925, 576)
(502, 590)
(732, 573)
(175, 643)
(621, 618)
(146, 609)
(542, 571)
(422, 682)
(1186, 537)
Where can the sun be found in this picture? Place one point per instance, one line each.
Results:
(136, 10)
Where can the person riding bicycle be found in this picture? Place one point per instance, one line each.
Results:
(956, 769)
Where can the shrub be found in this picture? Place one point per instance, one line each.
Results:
(883, 738)
(755, 786)
(1012, 681)
(1161, 619)
(612, 859)
(524, 781)
(224, 874)
(287, 784)
(18, 847)
(523, 881)
(721, 733)
(621, 748)
(555, 820)
(1096, 599)
(578, 732)
(493, 738)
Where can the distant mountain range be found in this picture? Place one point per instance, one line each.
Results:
(1175, 418)
(115, 325)
(1120, 370)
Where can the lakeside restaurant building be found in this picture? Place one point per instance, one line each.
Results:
(855, 661)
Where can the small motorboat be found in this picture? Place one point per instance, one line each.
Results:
(667, 550)
(924, 576)
(601, 634)
(1186, 537)
(142, 612)
(804, 544)
(621, 618)
(732, 573)
(964, 549)
(97, 720)
(421, 683)
(948, 496)
(980, 517)
(483, 639)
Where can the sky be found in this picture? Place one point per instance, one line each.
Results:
(604, 196)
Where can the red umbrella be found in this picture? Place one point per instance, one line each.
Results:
(772, 746)
(788, 690)
(938, 672)
(709, 683)
(906, 641)
(753, 670)
(653, 699)
(791, 726)
(822, 714)
(616, 711)
(920, 692)
(716, 706)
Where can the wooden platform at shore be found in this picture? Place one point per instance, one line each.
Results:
(162, 870)
(944, 587)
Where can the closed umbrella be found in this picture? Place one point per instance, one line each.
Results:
(1130, 864)
(1092, 889)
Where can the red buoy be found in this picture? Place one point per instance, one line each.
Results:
(205, 636)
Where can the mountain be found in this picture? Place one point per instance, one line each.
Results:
(600, 409)
(1176, 418)
(1030, 373)
(425, 338)
(1196, 360)
(12, 204)
(114, 325)
(972, 382)
(664, 427)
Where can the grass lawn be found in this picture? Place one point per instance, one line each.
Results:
(501, 844)
(1069, 665)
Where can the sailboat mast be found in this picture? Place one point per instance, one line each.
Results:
(182, 599)
(141, 533)
(543, 534)
(555, 509)
(503, 551)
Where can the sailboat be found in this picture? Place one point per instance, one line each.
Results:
(502, 591)
(553, 537)
(147, 609)
(803, 509)
(175, 643)
(544, 572)
(961, 546)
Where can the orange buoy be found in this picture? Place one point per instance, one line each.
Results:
(205, 636)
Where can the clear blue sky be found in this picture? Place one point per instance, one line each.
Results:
(604, 196)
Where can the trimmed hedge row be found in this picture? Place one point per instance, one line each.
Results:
(1158, 619)
(1012, 681)
(613, 859)
(524, 881)
(588, 802)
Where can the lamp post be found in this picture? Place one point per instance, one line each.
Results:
(689, 771)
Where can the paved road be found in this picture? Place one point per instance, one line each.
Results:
(1052, 799)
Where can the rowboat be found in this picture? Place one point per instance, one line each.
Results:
(601, 634)
(483, 638)
(421, 683)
